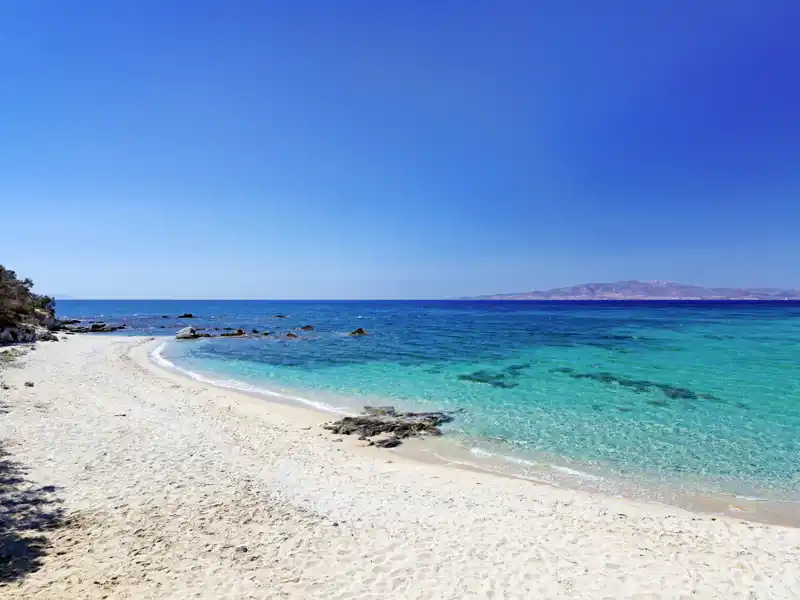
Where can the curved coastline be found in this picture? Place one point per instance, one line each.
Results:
(171, 487)
(453, 453)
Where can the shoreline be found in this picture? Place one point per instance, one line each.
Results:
(167, 487)
(452, 453)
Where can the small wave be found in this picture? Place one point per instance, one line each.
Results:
(158, 357)
(532, 463)
(575, 473)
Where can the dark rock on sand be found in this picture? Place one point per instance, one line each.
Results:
(45, 335)
(384, 420)
(28, 384)
(387, 442)
(357, 332)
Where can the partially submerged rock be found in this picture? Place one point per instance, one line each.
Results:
(291, 335)
(279, 316)
(306, 328)
(187, 333)
(237, 333)
(357, 332)
(386, 421)
(186, 316)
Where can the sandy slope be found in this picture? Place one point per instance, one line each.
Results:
(171, 489)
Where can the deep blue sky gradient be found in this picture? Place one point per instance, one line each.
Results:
(368, 149)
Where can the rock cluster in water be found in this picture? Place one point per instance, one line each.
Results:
(99, 327)
(389, 426)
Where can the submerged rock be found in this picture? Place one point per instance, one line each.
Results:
(639, 386)
(497, 380)
(357, 332)
(385, 420)
(279, 316)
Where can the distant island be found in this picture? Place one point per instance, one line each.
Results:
(648, 290)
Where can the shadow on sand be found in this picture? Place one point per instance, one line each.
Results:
(26, 513)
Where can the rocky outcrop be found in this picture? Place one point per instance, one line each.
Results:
(357, 332)
(386, 421)
(21, 334)
(22, 313)
(186, 316)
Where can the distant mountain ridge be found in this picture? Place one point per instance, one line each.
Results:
(648, 290)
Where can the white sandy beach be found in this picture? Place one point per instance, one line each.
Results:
(174, 489)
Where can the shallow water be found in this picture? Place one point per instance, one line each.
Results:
(690, 397)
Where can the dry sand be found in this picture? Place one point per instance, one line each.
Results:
(122, 480)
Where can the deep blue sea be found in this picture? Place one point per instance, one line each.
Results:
(700, 397)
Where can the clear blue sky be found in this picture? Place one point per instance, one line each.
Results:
(376, 148)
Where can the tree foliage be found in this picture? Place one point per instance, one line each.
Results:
(17, 302)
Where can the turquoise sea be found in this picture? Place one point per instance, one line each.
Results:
(685, 398)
